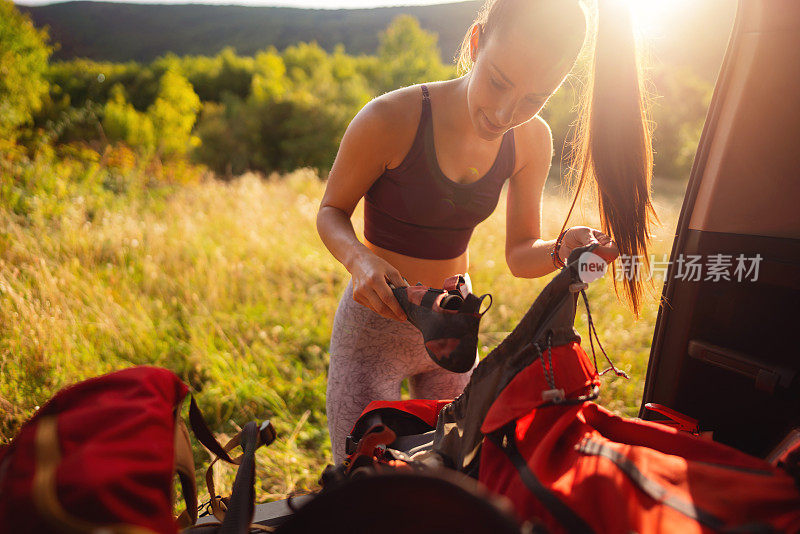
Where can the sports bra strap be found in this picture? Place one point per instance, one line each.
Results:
(426, 97)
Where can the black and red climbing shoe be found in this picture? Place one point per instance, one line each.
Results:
(448, 319)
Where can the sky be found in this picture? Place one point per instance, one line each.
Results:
(317, 4)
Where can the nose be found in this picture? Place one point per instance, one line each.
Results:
(504, 115)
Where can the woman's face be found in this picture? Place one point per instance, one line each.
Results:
(512, 77)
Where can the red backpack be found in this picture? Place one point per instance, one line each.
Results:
(525, 426)
(102, 454)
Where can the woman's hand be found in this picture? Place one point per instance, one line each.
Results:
(371, 277)
(580, 236)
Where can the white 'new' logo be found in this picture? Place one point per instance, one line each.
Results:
(591, 267)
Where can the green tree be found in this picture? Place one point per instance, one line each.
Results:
(23, 61)
(269, 79)
(224, 148)
(408, 55)
(173, 114)
(121, 122)
(298, 108)
(236, 73)
(84, 80)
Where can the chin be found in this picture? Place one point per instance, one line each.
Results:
(483, 133)
(487, 136)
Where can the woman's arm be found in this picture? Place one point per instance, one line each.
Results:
(527, 255)
(364, 153)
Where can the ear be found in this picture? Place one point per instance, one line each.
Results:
(474, 41)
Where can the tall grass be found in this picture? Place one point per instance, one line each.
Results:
(229, 286)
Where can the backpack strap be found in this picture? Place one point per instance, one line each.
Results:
(203, 433)
(239, 516)
(505, 440)
(250, 438)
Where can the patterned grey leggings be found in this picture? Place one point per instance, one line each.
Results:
(369, 358)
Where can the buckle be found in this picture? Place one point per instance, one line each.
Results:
(577, 286)
(556, 396)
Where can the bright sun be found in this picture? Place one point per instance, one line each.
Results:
(648, 15)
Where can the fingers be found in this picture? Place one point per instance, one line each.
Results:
(581, 236)
(373, 282)
(600, 237)
(576, 237)
(377, 296)
(608, 252)
(396, 279)
(390, 301)
(608, 249)
(379, 306)
(374, 303)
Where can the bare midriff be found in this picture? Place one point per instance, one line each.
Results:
(430, 272)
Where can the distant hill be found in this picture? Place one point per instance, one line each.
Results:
(121, 32)
(696, 36)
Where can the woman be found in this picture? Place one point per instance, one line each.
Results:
(431, 160)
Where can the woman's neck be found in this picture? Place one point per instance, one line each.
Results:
(452, 107)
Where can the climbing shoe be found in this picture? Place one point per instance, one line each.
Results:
(448, 319)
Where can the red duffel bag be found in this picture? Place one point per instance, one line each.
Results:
(101, 455)
(576, 467)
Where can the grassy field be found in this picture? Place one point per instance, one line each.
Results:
(229, 285)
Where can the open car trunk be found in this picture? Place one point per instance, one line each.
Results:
(726, 351)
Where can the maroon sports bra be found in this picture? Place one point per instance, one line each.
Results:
(415, 210)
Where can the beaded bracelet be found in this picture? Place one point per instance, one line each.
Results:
(557, 261)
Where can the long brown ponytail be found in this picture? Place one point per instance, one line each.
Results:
(611, 145)
(612, 148)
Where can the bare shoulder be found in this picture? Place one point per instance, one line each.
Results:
(534, 144)
(398, 105)
(391, 121)
(377, 138)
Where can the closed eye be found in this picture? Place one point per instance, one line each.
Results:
(496, 83)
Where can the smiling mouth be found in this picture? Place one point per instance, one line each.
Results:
(491, 126)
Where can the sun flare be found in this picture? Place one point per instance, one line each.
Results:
(649, 15)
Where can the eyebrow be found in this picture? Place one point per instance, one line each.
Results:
(505, 79)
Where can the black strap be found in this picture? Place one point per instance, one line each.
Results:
(203, 433)
(430, 297)
(571, 521)
(650, 487)
(242, 504)
(483, 297)
(593, 332)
